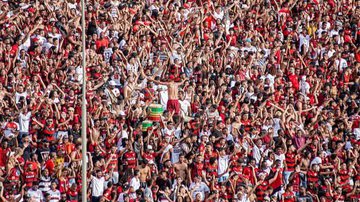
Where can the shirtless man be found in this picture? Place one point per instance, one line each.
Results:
(145, 173)
(173, 89)
(130, 87)
(181, 168)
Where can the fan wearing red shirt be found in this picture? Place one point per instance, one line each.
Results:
(72, 193)
(209, 21)
(112, 163)
(276, 185)
(108, 192)
(313, 174)
(4, 150)
(231, 37)
(30, 176)
(50, 163)
(355, 193)
(261, 187)
(290, 162)
(289, 195)
(129, 158)
(209, 153)
(48, 128)
(201, 148)
(197, 167)
(33, 162)
(211, 168)
(294, 79)
(102, 42)
(249, 171)
(338, 195)
(226, 192)
(149, 155)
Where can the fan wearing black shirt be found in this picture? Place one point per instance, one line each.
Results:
(162, 181)
(304, 196)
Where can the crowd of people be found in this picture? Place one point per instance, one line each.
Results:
(261, 100)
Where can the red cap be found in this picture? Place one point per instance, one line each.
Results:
(31, 10)
(171, 77)
(136, 28)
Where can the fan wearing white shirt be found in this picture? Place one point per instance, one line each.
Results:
(163, 95)
(304, 86)
(24, 121)
(54, 193)
(304, 40)
(20, 93)
(184, 104)
(258, 149)
(219, 13)
(340, 63)
(54, 33)
(242, 195)
(10, 128)
(135, 181)
(323, 27)
(35, 194)
(97, 185)
(199, 187)
(223, 164)
(334, 31)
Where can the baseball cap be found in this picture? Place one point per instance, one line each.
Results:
(112, 83)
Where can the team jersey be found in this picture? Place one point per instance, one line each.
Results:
(29, 178)
(45, 183)
(113, 162)
(55, 196)
(261, 189)
(130, 159)
(10, 128)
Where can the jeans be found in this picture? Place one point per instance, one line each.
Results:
(95, 198)
(115, 177)
(303, 180)
(287, 176)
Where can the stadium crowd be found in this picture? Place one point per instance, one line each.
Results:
(259, 100)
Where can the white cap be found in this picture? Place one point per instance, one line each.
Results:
(122, 113)
(112, 83)
(149, 147)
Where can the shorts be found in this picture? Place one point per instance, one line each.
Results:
(223, 178)
(173, 105)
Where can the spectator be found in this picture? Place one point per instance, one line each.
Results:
(188, 100)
